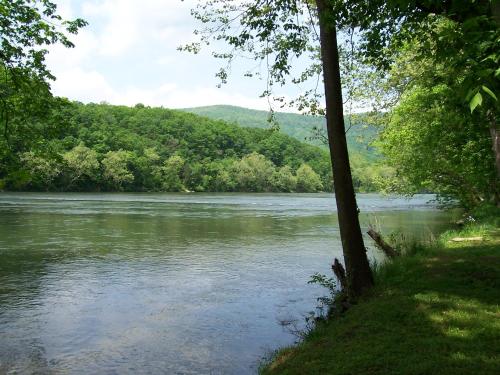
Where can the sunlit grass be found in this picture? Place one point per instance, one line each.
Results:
(434, 312)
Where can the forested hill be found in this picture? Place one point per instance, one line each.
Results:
(101, 147)
(297, 126)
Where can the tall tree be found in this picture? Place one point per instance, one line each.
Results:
(359, 276)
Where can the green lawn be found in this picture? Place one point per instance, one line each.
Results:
(436, 312)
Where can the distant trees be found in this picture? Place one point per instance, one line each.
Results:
(116, 169)
(41, 170)
(83, 169)
(253, 173)
(169, 174)
(308, 180)
(82, 166)
(284, 180)
(223, 179)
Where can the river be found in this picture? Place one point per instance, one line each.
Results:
(169, 283)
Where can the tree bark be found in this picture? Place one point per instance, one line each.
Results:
(495, 140)
(359, 275)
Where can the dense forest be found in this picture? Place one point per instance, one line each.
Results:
(100, 147)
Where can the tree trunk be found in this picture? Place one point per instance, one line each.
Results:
(359, 275)
(495, 140)
(494, 131)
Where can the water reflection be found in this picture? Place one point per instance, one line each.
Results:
(128, 283)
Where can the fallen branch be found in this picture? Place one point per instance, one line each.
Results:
(382, 245)
(462, 239)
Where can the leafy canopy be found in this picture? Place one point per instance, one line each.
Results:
(27, 28)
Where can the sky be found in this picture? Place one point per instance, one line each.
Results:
(128, 55)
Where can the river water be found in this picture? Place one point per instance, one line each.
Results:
(169, 283)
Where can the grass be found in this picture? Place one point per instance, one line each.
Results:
(433, 312)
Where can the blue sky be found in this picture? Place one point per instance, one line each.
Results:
(128, 54)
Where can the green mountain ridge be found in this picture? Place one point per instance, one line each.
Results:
(301, 127)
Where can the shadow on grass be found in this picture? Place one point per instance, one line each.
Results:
(436, 313)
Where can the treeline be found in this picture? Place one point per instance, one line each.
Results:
(100, 147)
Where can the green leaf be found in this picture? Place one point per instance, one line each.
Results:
(476, 100)
(470, 93)
(489, 92)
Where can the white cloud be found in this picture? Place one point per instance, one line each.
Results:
(129, 23)
(91, 86)
(85, 86)
(164, 60)
(128, 55)
(61, 58)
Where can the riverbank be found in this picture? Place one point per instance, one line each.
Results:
(435, 312)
